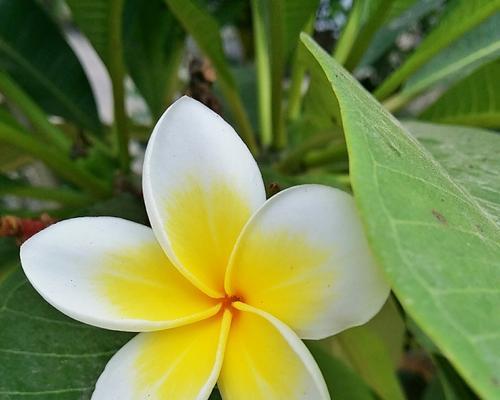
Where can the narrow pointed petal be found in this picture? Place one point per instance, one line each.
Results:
(177, 364)
(304, 258)
(201, 185)
(111, 273)
(266, 360)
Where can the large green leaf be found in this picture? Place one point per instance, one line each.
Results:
(470, 155)
(462, 15)
(473, 101)
(35, 54)
(153, 46)
(439, 249)
(44, 354)
(476, 48)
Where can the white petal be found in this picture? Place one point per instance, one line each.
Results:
(181, 363)
(111, 273)
(201, 185)
(304, 258)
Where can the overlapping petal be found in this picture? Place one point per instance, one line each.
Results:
(201, 185)
(111, 273)
(304, 258)
(179, 363)
(266, 360)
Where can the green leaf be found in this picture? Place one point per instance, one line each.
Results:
(439, 249)
(35, 54)
(153, 47)
(9, 256)
(45, 354)
(470, 156)
(342, 382)
(204, 28)
(461, 16)
(391, 329)
(370, 357)
(474, 101)
(476, 48)
(92, 17)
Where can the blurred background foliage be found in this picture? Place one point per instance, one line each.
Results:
(82, 83)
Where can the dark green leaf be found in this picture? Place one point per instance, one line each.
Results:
(454, 387)
(9, 255)
(439, 249)
(92, 17)
(123, 205)
(153, 46)
(34, 52)
(45, 354)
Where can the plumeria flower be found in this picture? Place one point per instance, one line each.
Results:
(225, 284)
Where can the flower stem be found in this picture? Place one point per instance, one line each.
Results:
(263, 71)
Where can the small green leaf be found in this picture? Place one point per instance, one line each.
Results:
(386, 36)
(370, 357)
(35, 54)
(474, 101)
(342, 382)
(476, 48)
(470, 156)
(439, 249)
(461, 16)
